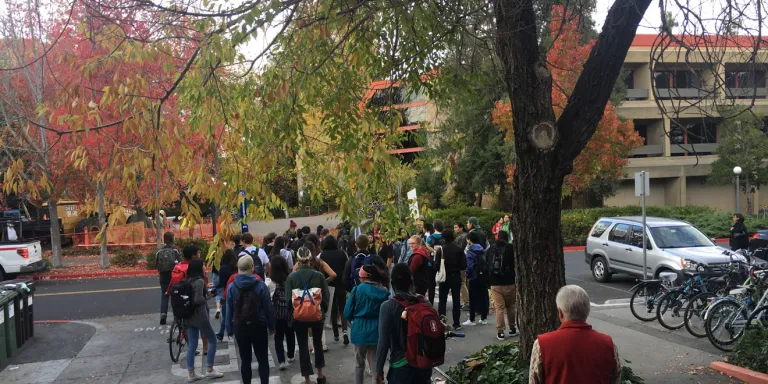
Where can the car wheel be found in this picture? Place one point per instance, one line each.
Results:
(2, 274)
(600, 270)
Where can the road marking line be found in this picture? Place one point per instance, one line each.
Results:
(98, 291)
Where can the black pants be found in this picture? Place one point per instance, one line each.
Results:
(302, 337)
(479, 302)
(337, 310)
(283, 331)
(452, 283)
(409, 375)
(431, 291)
(165, 281)
(255, 338)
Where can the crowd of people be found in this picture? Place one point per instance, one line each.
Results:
(361, 286)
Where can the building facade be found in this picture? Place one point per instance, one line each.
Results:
(672, 98)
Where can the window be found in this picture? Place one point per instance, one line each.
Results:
(679, 237)
(600, 228)
(676, 133)
(636, 238)
(745, 79)
(662, 79)
(629, 81)
(693, 132)
(642, 131)
(619, 233)
(676, 79)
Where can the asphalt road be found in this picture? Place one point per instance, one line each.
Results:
(96, 298)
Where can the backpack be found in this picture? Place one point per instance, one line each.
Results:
(280, 304)
(425, 334)
(258, 266)
(481, 264)
(306, 301)
(166, 259)
(358, 262)
(498, 266)
(183, 299)
(247, 309)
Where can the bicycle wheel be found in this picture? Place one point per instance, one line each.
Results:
(725, 324)
(694, 314)
(670, 310)
(643, 302)
(759, 318)
(176, 341)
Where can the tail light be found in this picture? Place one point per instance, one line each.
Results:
(23, 252)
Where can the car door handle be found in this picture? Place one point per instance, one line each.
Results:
(605, 244)
(628, 249)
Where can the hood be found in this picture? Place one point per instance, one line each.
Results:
(708, 255)
(377, 291)
(245, 281)
(421, 251)
(437, 235)
(476, 248)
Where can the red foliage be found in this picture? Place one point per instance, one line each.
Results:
(606, 153)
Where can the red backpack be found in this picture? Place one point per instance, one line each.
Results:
(425, 335)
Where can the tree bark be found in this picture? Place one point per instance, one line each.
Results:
(546, 147)
(159, 225)
(55, 235)
(104, 257)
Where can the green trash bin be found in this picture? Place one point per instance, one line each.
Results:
(9, 323)
(4, 299)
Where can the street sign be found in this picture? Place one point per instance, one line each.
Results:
(642, 184)
(243, 213)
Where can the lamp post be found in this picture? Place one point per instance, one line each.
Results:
(737, 172)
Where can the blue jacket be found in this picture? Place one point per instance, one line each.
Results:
(472, 253)
(362, 310)
(260, 289)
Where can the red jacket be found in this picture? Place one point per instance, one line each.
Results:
(576, 354)
(179, 273)
(230, 281)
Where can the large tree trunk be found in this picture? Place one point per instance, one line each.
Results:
(104, 257)
(159, 225)
(545, 147)
(53, 213)
(505, 200)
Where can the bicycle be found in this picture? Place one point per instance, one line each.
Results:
(449, 334)
(673, 302)
(700, 304)
(728, 319)
(647, 293)
(177, 339)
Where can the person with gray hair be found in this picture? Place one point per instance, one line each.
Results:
(575, 353)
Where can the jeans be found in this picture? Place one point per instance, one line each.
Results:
(364, 353)
(222, 324)
(194, 335)
(478, 299)
(337, 311)
(409, 375)
(283, 331)
(302, 337)
(452, 283)
(255, 338)
(165, 281)
(504, 299)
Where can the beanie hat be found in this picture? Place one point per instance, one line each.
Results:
(293, 224)
(474, 222)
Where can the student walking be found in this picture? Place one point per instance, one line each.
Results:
(283, 312)
(199, 323)
(260, 258)
(280, 248)
(165, 260)
(455, 262)
(309, 294)
(362, 310)
(250, 318)
(337, 260)
(476, 275)
(501, 277)
(421, 265)
(227, 269)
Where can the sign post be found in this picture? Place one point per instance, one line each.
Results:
(643, 189)
(243, 213)
(414, 204)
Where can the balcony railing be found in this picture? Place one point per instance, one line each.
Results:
(693, 148)
(746, 92)
(649, 150)
(682, 93)
(637, 94)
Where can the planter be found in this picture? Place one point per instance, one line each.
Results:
(746, 375)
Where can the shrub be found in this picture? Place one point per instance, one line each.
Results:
(126, 258)
(751, 351)
(486, 217)
(202, 244)
(150, 258)
(501, 363)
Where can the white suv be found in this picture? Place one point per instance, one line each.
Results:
(614, 245)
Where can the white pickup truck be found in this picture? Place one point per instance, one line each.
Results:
(18, 257)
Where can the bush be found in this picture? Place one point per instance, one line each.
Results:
(501, 363)
(486, 217)
(202, 244)
(150, 258)
(751, 351)
(126, 258)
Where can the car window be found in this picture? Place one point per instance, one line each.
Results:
(684, 236)
(600, 228)
(636, 236)
(619, 233)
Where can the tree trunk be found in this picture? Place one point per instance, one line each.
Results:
(504, 200)
(55, 235)
(159, 225)
(104, 257)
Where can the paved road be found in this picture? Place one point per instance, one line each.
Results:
(578, 272)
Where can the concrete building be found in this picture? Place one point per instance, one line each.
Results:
(672, 101)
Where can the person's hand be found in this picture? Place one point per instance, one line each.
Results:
(379, 378)
(210, 285)
(272, 331)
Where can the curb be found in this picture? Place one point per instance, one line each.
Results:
(747, 375)
(574, 248)
(76, 276)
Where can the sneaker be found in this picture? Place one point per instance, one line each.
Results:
(513, 332)
(483, 322)
(500, 336)
(336, 339)
(368, 372)
(214, 374)
(469, 323)
(457, 327)
(328, 326)
(283, 366)
(311, 351)
(218, 314)
(220, 336)
(346, 339)
(162, 320)
(325, 348)
(291, 360)
(194, 378)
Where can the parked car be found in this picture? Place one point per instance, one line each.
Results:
(18, 257)
(758, 242)
(614, 245)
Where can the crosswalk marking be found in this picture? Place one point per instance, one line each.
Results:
(233, 366)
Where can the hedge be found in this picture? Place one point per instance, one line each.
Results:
(576, 223)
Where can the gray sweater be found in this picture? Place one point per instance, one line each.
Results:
(391, 335)
(201, 311)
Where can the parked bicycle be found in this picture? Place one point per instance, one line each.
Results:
(727, 319)
(647, 294)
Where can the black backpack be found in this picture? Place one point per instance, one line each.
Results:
(481, 264)
(166, 259)
(183, 299)
(498, 267)
(258, 267)
(247, 309)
